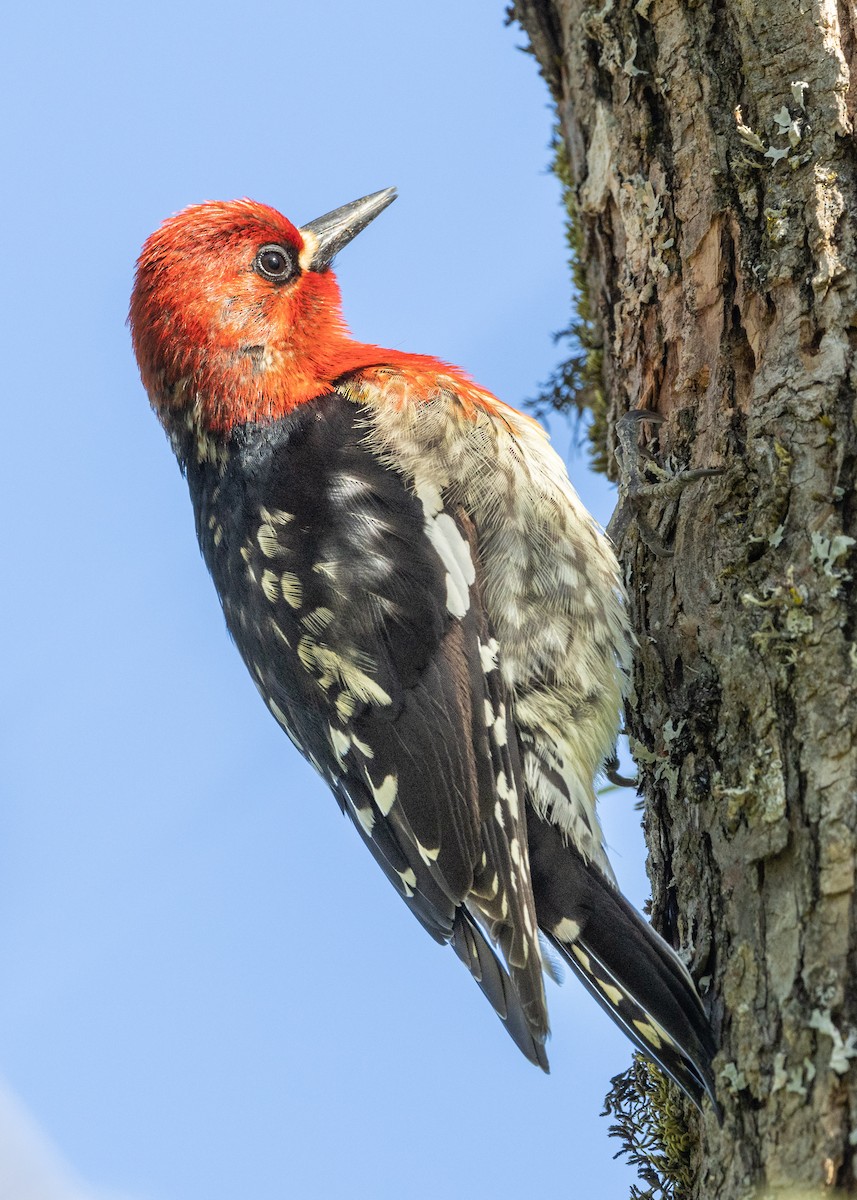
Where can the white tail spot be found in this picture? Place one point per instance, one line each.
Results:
(566, 930)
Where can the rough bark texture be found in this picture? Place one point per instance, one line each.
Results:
(715, 178)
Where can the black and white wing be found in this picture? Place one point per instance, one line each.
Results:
(356, 605)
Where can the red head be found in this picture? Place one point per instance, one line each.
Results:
(235, 314)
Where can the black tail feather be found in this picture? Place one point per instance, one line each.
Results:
(690, 1072)
(477, 955)
(635, 976)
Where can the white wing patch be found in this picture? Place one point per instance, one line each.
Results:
(452, 547)
(455, 554)
(429, 496)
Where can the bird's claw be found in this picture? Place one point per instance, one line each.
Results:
(636, 492)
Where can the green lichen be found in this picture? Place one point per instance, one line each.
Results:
(649, 1121)
(575, 387)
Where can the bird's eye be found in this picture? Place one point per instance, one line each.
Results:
(274, 263)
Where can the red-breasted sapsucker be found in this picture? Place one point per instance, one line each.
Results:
(425, 606)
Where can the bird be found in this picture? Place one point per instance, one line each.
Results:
(425, 606)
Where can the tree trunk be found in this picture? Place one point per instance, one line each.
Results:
(714, 181)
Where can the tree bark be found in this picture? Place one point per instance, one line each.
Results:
(714, 177)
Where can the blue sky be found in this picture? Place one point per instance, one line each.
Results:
(208, 989)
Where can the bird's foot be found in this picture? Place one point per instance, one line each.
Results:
(636, 491)
(612, 773)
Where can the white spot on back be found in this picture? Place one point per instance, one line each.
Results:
(365, 750)
(366, 818)
(268, 541)
(341, 742)
(275, 516)
(270, 585)
(428, 856)
(318, 620)
(409, 880)
(349, 669)
(330, 570)
(385, 796)
(292, 590)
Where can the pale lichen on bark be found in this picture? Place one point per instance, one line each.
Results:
(712, 154)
